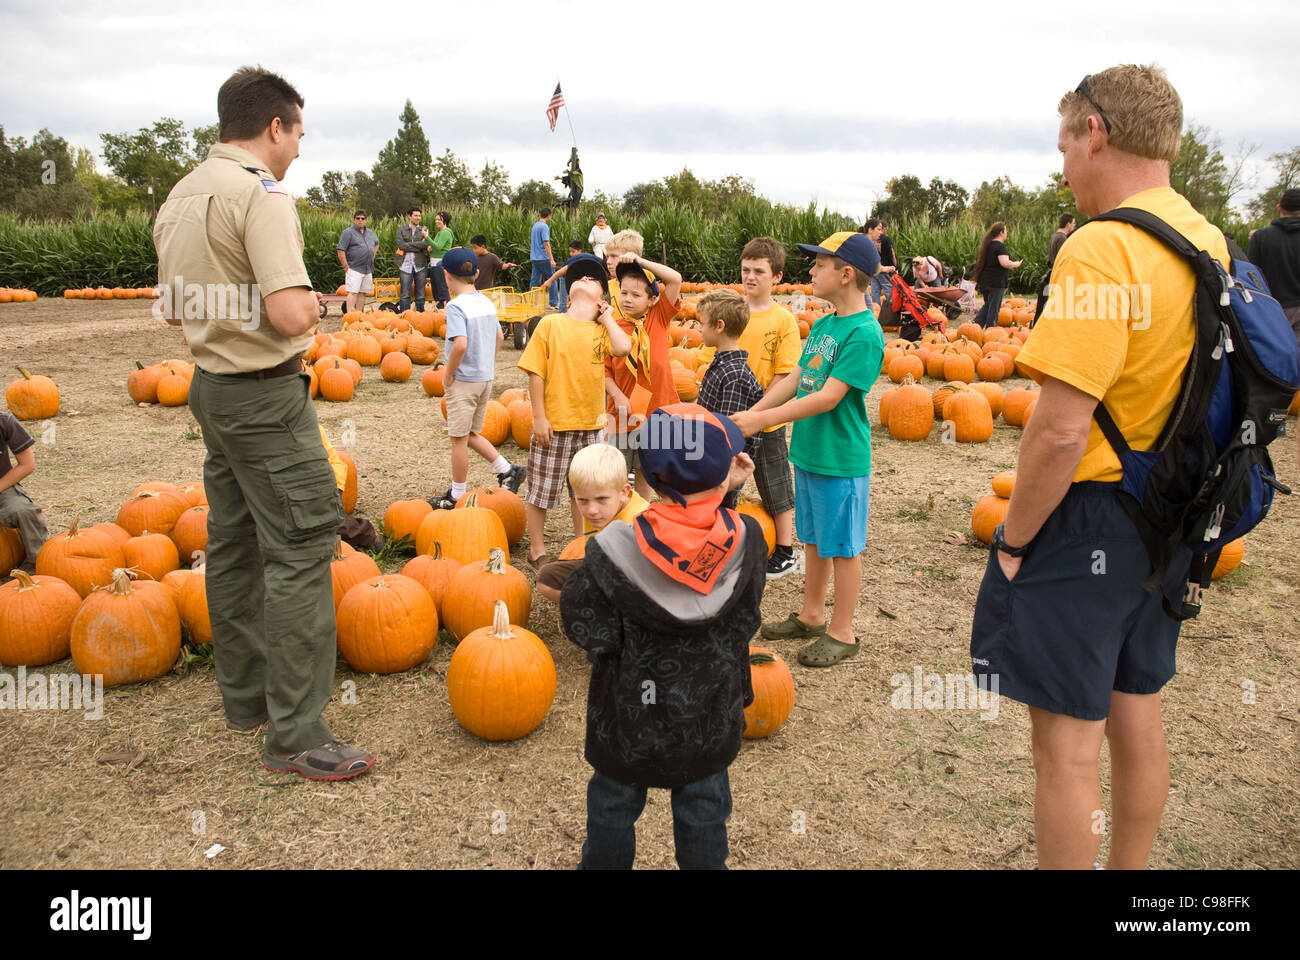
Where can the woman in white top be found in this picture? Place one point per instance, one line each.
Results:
(927, 272)
(600, 235)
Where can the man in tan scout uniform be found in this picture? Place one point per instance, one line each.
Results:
(230, 261)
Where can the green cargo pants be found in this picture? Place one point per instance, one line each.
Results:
(273, 516)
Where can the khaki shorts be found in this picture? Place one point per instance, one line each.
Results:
(467, 406)
(357, 282)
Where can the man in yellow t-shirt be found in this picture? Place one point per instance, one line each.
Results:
(1082, 644)
(565, 363)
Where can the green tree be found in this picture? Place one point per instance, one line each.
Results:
(1287, 164)
(905, 199)
(1200, 173)
(408, 154)
(37, 180)
(493, 188)
(452, 184)
(204, 138)
(337, 190)
(945, 201)
(532, 195)
(386, 194)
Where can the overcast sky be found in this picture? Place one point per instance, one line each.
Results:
(824, 102)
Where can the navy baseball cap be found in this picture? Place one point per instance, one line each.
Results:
(856, 249)
(587, 265)
(460, 262)
(632, 270)
(685, 449)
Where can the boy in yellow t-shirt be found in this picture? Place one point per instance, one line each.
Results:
(565, 363)
(598, 478)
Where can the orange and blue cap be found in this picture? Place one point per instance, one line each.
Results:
(856, 249)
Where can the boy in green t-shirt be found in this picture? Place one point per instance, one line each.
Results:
(831, 445)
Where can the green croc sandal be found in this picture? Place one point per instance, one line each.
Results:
(791, 628)
(826, 652)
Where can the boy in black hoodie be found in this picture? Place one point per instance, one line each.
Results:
(665, 608)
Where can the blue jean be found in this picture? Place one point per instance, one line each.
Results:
(880, 283)
(438, 279)
(700, 811)
(405, 280)
(561, 292)
(541, 270)
(988, 314)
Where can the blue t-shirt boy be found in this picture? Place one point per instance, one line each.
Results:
(472, 316)
(541, 235)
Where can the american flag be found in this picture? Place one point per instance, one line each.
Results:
(553, 111)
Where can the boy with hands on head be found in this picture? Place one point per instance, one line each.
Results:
(831, 445)
(565, 363)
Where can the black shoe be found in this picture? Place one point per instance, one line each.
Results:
(779, 564)
(512, 478)
(445, 502)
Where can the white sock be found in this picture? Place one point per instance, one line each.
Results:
(501, 464)
(458, 490)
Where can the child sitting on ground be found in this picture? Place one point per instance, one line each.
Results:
(17, 509)
(565, 363)
(729, 386)
(598, 478)
(473, 335)
(831, 446)
(665, 609)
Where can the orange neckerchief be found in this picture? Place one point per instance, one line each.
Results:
(690, 544)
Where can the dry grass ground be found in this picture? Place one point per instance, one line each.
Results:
(874, 786)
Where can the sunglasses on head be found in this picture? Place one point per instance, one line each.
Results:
(1083, 89)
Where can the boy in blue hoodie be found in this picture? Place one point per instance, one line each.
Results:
(665, 608)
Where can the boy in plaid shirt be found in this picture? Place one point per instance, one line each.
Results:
(729, 386)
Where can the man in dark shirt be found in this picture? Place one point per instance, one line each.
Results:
(17, 509)
(488, 263)
(1276, 251)
(1064, 227)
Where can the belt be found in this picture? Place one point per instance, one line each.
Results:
(292, 365)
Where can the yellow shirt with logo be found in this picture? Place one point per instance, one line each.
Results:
(636, 504)
(569, 356)
(228, 229)
(1118, 322)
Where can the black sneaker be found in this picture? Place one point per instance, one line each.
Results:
(512, 478)
(445, 502)
(779, 564)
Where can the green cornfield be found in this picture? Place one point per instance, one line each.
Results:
(118, 250)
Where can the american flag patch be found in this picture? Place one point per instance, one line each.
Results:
(273, 186)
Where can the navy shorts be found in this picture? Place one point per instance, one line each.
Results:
(1075, 624)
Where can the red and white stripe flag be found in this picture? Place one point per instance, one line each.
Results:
(553, 111)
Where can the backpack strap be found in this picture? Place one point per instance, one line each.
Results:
(1152, 225)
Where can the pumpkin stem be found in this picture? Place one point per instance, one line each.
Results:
(121, 585)
(496, 561)
(338, 549)
(756, 658)
(501, 618)
(24, 581)
(437, 549)
(139, 365)
(72, 530)
(472, 501)
(26, 375)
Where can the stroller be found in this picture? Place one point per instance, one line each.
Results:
(904, 309)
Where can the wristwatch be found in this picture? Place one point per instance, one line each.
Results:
(1000, 543)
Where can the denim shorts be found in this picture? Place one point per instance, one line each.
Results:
(1075, 624)
(830, 513)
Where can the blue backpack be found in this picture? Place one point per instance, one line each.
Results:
(1209, 479)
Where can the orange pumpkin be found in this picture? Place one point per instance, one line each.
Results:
(386, 624)
(32, 397)
(1004, 483)
(190, 534)
(988, 513)
(474, 589)
(395, 367)
(501, 679)
(773, 694)
(402, 518)
(1230, 557)
(82, 559)
(971, 416)
(156, 510)
(467, 534)
(128, 633)
(151, 554)
(496, 423)
(521, 422)
(434, 572)
(36, 615)
(191, 597)
(911, 413)
(755, 509)
(432, 382)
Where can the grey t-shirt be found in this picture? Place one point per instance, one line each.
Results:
(472, 316)
(359, 248)
(13, 439)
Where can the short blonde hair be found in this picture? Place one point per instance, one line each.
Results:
(626, 241)
(598, 466)
(1144, 110)
(725, 307)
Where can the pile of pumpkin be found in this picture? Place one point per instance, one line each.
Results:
(110, 293)
(1014, 311)
(16, 295)
(392, 342)
(910, 411)
(32, 397)
(692, 286)
(167, 383)
(990, 511)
